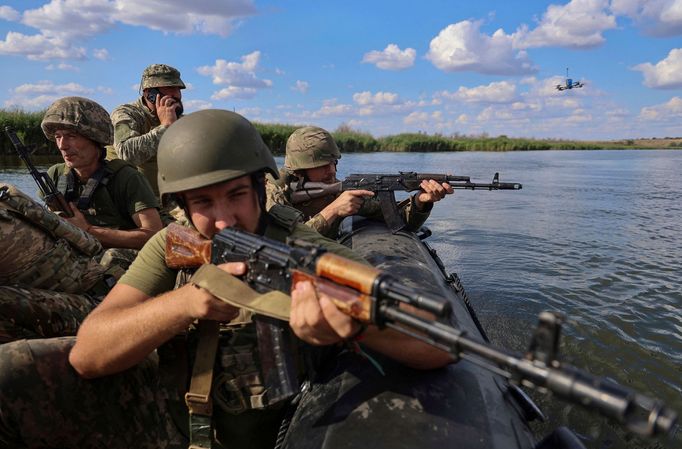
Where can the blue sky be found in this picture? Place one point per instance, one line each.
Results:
(384, 67)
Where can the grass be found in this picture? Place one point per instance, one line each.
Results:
(27, 126)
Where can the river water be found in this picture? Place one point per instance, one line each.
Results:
(594, 234)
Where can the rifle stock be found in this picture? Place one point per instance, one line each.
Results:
(53, 197)
(373, 296)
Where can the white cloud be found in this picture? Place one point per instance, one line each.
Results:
(495, 92)
(670, 111)
(462, 47)
(577, 24)
(331, 107)
(9, 13)
(243, 93)
(301, 86)
(179, 16)
(391, 58)
(196, 105)
(666, 74)
(62, 66)
(657, 17)
(416, 118)
(64, 24)
(101, 53)
(236, 74)
(43, 93)
(366, 98)
(39, 47)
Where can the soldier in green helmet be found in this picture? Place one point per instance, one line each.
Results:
(213, 163)
(53, 271)
(109, 199)
(138, 126)
(312, 155)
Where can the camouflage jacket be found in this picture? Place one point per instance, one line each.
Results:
(277, 192)
(137, 132)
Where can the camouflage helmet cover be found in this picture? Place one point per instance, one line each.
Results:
(310, 147)
(161, 75)
(207, 147)
(79, 114)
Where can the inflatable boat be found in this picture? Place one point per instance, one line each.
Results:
(369, 401)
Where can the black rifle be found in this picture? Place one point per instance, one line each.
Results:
(385, 186)
(372, 296)
(53, 197)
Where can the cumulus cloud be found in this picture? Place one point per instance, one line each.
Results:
(331, 107)
(462, 47)
(239, 77)
(577, 24)
(300, 86)
(661, 18)
(39, 47)
(9, 13)
(670, 111)
(366, 98)
(64, 24)
(101, 53)
(496, 92)
(666, 74)
(62, 66)
(43, 93)
(196, 105)
(391, 58)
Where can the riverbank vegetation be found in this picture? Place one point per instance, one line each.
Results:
(27, 125)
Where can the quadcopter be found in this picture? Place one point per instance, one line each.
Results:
(570, 84)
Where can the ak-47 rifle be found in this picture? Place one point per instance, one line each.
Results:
(385, 186)
(53, 197)
(374, 297)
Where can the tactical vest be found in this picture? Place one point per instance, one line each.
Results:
(41, 250)
(237, 384)
(67, 184)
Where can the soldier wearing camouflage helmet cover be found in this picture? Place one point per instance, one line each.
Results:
(109, 199)
(138, 126)
(312, 155)
(213, 162)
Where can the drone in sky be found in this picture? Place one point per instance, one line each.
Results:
(570, 84)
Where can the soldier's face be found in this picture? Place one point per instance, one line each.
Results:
(78, 151)
(229, 203)
(326, 173)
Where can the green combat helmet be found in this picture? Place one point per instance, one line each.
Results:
(208, 147)
(82, 115)
(310, 147)
(161, 75)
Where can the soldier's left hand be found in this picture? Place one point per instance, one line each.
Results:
(78, 218)
(432, 191)
(316, 320)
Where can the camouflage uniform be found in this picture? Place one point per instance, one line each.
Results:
(311, 147)
(50, 275)
(44, 403)
(137, 130)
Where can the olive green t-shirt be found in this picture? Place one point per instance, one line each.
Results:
(113, 205)
(149, 273)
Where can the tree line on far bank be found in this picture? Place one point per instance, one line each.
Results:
(27, 126)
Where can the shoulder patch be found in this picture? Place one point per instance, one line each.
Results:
(285, 216)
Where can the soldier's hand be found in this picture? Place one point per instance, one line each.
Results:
(432, 191)
(346, 204)
(165, 109)
(78, 218)
(203, 305)
(316, 320)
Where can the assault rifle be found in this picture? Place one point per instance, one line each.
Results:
(53, 197)
(374, 297)
(385, 186)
